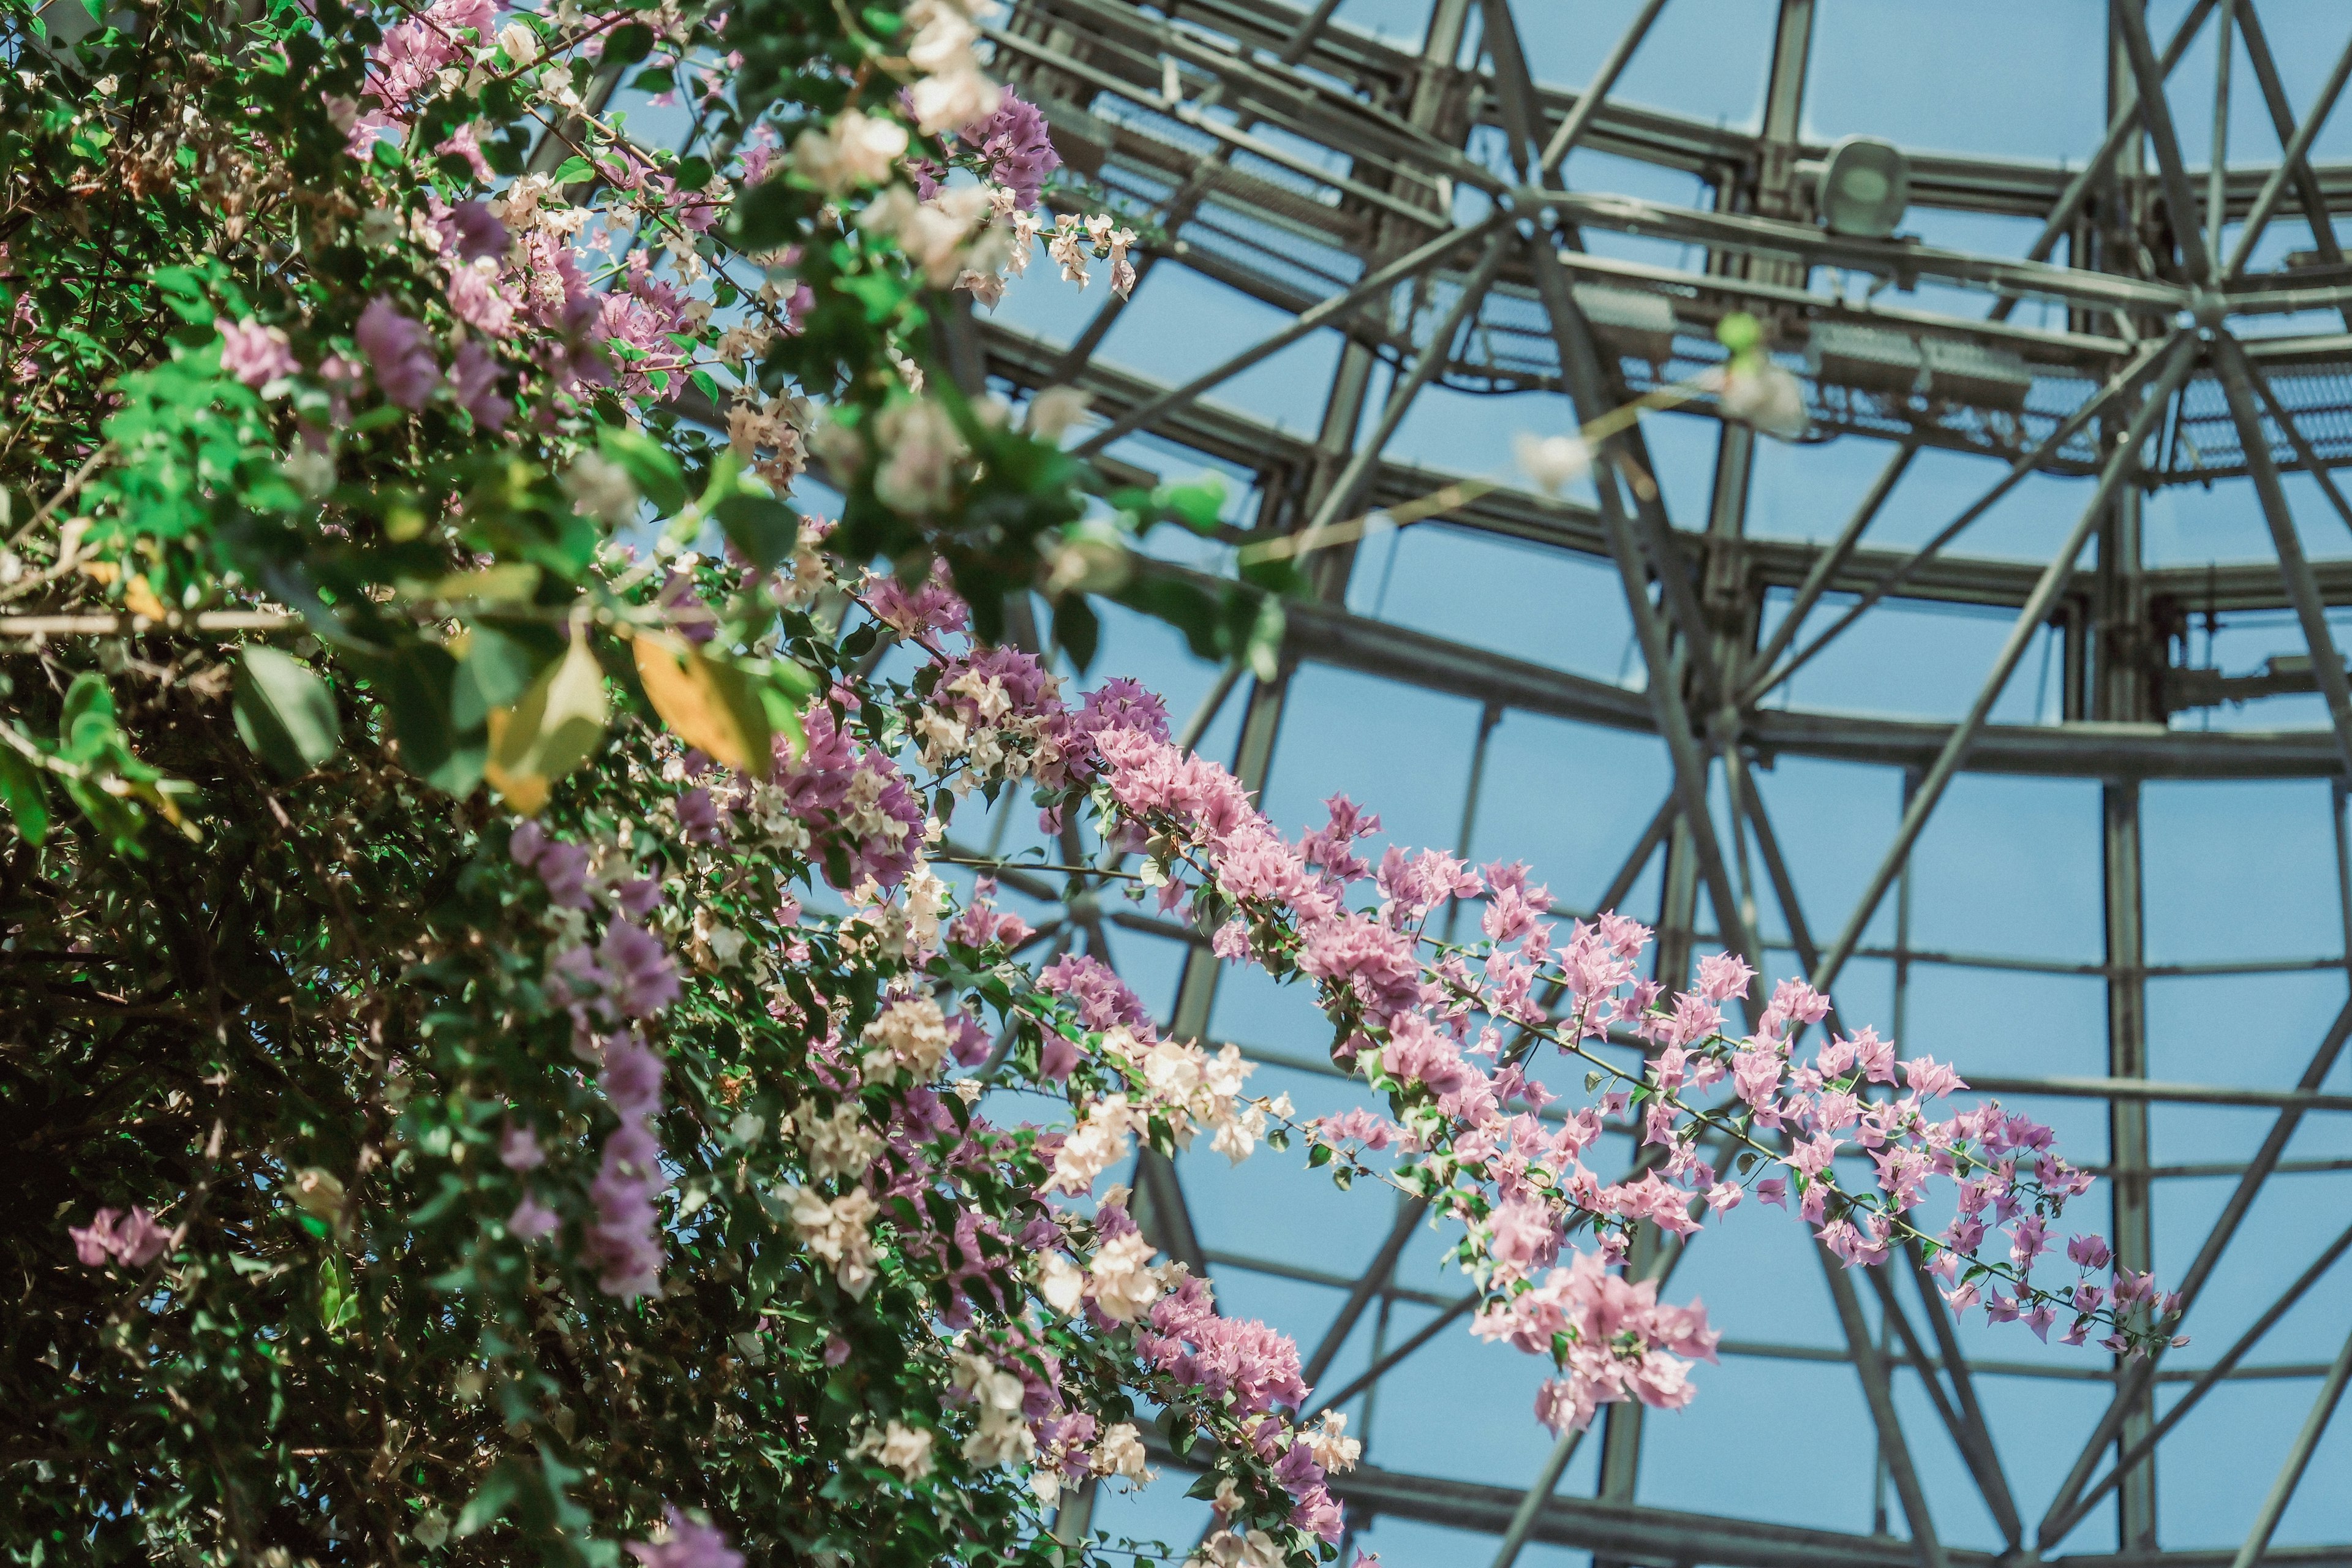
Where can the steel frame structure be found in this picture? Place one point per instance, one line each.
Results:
(1415, 204)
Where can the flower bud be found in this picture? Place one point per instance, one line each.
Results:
(519, 42)
(1552, 462)
(318, 1193)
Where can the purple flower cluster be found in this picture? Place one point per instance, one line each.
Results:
(563, 866)
(853, 801)
(1220, 1355)
(1259, 1368)
(472, 231)
(687, 1545)
(639, 977)
(928, 609)
(255, 354)
(641, 319)
(474, 382)
(1103, 999)
(399, 353)
(414, 53)
(1019, 155)
(624, 1238)
(113, 1237)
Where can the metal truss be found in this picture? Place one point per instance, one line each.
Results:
(1415, 206)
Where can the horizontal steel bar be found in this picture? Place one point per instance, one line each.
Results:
(1778, 237)
(1655, 1535)
(2089, 352)
(1305, 1275)
(1222, 432)
(1334, 636)
(1344, 54)
(2065, 1372)
(2135, 1088)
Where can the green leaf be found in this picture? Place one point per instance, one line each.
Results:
(338, 1308)
(1077, 630)
(553, 728)
(693, 172)
(880, 292)
(626, 45)
(783, 711)
(574, 170)
(285, 712)
(22, 792)
(647, 462)
(87, 722)
(499, 669)
(763, 529)
(1199, 505)
(498, 1491)
(418, 688)
(1264, 652)
(183, 289)
(765, 215)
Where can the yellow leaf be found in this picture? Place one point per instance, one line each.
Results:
(551, 730)
(100, 571)
(139, 596)
(708, 704)
(512, 580)
(524, 792)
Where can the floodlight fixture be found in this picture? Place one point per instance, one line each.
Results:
(1865, 187)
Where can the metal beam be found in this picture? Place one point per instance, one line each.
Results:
(1830, 561)
(2297, 150)
(1878, 1392)
(2117, 385)
(1375, 1279)
(1327, 634)
(2207, 1380)
(1412, 263)
(2125, 462)
(2155, 113)
(2295, 567)
(2217, 159)
(2306, 184)
(2137, 1374)
(2298, 1458)
(1588, 103)
(2119, 127)
(1747, 233)
(1366, 456)
(1977, 1448)
(2302, 453)
(1869, 1359)
(1388, 1362)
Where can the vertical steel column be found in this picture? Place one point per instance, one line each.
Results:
(1337, 454)
(1776, 195)
(1343, 415)
(2127, 1150)
(1677, 909)
(2217, 161)
(1621, 1437)
(1621, 1423)
(2119, 690)
(1903, 922)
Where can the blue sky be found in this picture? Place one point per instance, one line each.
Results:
(2009, 869)
(2007, 875)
